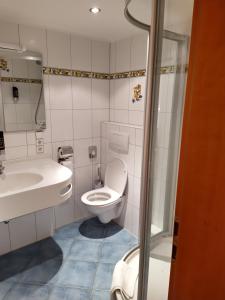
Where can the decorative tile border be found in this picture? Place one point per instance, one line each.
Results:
(129, 74)
(97, 75)
(22, 80)
(74, 73)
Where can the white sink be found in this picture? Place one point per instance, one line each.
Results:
(30, 186)
(17, 181)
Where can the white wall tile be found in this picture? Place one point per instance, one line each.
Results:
(81, 53)
(9, 33)
(139, 135)
(81, 88)
(60, 91)
(22, 231)
(123, 55)
(82, 123)
(100, 94)
(34, 39)
(83, 179)
(81, 152)
(121, 93)
(121, 115)
(136, 117)
(62, 125)
(31, 138)
(137, 191)
(15, 152)
(130, 189)
(44, 223)
(58, 45)
(100, 56)
(138, 161)
(13, 139)
(112, 93)
(4, 238)
(139, 52)
(112, 57)
(99, 115)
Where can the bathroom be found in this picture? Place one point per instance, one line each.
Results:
(92, 98)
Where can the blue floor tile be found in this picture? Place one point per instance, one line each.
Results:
(122, 236)
(65, 245)
(70, 231)
(103, 279)
(109, 256)
(42, 272)
(77, 274)
(61, 293)
(83, 250)
(5, 286)
(77, 263)
(100, 295)
(28, 292)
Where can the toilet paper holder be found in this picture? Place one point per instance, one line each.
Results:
(64, 153)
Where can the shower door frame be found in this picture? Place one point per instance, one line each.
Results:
(153, 81)
(175, 133)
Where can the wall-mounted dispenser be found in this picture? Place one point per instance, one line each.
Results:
(64, 153)
(15, 92)
(2, 143)
(92, 150)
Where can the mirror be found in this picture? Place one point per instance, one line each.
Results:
(21, 91)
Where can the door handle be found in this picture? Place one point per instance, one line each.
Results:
(175, 236)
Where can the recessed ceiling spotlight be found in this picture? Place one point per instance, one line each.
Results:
(95, 10)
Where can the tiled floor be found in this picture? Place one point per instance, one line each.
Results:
(77, 263)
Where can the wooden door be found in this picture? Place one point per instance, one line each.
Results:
(198, 272)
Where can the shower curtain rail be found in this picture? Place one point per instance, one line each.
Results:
(167, 34)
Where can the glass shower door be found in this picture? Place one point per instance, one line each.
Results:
(170, 35)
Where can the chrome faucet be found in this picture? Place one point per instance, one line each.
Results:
(1, 168)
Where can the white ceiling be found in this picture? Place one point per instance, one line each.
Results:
(73, 16)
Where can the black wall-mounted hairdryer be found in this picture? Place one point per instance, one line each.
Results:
(15, 92)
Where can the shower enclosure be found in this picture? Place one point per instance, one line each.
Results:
(167, 68)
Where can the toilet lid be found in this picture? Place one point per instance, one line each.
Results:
(116, 176)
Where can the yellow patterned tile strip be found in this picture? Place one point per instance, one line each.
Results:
(74, 73)
(3, 64)
(22, 80)
(129, 74)
(97, 75)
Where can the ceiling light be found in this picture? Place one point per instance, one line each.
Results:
(95, 10)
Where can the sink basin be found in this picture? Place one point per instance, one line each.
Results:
(29, 186)
(13, 182)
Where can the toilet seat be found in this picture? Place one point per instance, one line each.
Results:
(107, 202)
(101, 197)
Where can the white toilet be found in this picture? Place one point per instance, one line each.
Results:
(107, 202)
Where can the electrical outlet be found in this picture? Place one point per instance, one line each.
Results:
(40, 148)
(39, 142)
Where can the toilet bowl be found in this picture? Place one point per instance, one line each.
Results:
(107, 202)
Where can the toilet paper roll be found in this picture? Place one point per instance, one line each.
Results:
(68, 164)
